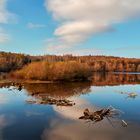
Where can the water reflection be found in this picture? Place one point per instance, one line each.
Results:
(131, 95)
(98, 79)
(5, 121)
(112, 79)
(74, 112)
(78, 131)
(20, 120)
(75, 130)
(56, 94)
(63, 90)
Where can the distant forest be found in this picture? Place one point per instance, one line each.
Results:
(14, 61)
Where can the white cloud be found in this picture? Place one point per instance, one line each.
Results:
(80, 19)
(4, 38)
(5, 18)
(53, 48)
(34, 25)
(3, 12)
(5, 15)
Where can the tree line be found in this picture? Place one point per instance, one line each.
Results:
(13, 61)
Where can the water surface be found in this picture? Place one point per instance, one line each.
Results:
(21, 120)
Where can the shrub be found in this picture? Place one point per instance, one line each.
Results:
(55, 71)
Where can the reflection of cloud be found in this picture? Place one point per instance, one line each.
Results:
(79, 131)
(6, 120)
(75, 111)
(63, 129)
(33, 113)
(3, 99)
(3, 121)
(2, 124)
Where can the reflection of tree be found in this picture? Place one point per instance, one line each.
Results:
(5, 85)
(98, 79)
(66, 89)
(62, 90)
(102, 79)
(55, 94)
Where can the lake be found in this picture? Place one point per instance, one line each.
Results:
(26, 115)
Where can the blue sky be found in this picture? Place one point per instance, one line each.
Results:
(65, 26)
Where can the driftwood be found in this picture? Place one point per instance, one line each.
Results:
(99, 115)
(130, 94)
(15, 86)
(52, 101)
(124, 123)
(95, 116)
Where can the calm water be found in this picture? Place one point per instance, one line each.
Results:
(23, 120)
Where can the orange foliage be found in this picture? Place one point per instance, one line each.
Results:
(55, 71)
(14, 61)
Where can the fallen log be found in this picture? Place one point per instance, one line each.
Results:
(99, 115)
(52, 101)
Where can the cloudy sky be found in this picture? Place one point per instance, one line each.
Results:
(79, 27)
